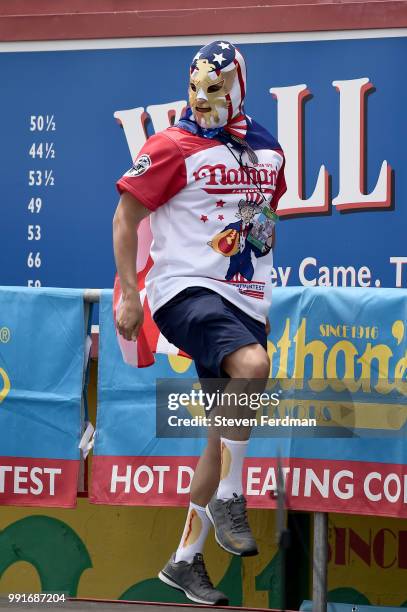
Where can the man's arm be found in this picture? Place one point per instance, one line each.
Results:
(126, 220)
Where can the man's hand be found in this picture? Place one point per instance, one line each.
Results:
(127, 217)
(130, 317)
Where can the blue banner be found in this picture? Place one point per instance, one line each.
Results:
(339, 373)
(337, 107)
(42, 352)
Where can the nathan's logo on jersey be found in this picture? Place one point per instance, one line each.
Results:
(140, 166)
(219, 178)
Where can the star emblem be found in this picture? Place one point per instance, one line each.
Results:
(221, 217)
(204, 218)
(220, 204)
(218, 57)
(223, 45)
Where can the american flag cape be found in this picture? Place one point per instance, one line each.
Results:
(140, 353)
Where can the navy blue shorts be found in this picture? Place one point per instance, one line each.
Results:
(208, 327)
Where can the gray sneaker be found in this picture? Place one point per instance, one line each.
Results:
(232, 531)
(193, 579)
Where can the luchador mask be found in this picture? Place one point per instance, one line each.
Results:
(217, 84)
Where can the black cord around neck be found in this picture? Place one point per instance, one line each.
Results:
(245, 167)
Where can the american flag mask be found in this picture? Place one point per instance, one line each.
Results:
(217, 87)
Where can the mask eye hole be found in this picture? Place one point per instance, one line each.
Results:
(192, 86)
(214, 88)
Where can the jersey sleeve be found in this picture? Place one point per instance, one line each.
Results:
(281, 186)
(157, 174)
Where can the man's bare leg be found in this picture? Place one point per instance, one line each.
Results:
(250, 363)
(248, 368)
(207, 472)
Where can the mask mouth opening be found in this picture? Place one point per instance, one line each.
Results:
(200, 108)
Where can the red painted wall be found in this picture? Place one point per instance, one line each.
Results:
(75, 19)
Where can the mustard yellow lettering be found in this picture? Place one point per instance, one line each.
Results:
(381, 354)
(348, 380)
(316, 349)
(6, 385)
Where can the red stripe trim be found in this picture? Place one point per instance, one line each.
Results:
(237, 125)
(239, 133)
(240, 118)
(232, 282)
(238, 190)
(252, 295)
(241, 82)
(141, 276)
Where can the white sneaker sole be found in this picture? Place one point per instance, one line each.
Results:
(193, 598)
(232, 552)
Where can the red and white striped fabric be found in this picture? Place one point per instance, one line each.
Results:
(237, 126)
(140, 353)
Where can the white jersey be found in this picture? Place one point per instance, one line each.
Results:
(204, 204)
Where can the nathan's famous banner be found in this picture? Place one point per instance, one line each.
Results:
(41, 372)
(332, 420)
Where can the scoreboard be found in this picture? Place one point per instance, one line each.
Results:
(72, 119)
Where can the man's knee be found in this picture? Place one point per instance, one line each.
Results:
(249, 361)
(257, 367)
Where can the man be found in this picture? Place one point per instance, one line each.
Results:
(209, 287)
